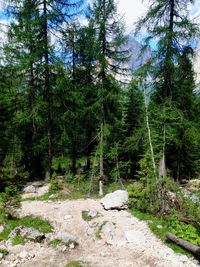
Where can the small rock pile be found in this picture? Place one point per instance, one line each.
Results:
(35, 189)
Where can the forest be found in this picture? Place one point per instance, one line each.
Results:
(70, 105)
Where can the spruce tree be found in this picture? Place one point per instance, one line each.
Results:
(168, 22)
(109, 62)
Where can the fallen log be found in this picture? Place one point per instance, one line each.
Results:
(194, 249)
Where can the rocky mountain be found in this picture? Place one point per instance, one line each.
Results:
(137, 58)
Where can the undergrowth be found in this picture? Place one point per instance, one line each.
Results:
(170, 224)
(4, 252)
(40, 224)
(76, 264)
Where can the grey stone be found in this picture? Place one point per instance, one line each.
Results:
(1, 256)
(52, 196)
(92, 213)
(24, 255)
(37, 184)
(108, 228)
(68, 217)
(135, 237)
(26, 232)
(116, 200)
(66, 237)
(30, 189)
(72, 246)
(2, 227)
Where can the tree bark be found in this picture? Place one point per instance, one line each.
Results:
(149, 134)
(47, 90)
(162, 164)
(195, 250)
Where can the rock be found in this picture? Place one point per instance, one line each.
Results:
(90, 231)
(29, 233)
(2, 227)
(52, 196)
(92, 213)
(194, 185)
(43, 190)
(108, 228)
(30, 189)
(116, 200)
(72, 246)
(135, 237)
(66, 237)
(24, 255)
(64, 249)
(1, 256)
(37, 184)
(49, 236)
(68, 217)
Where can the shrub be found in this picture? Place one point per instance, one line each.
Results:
(10, 201)
(55, 186)
(4, 252)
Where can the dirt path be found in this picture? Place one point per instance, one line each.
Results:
(112, 250)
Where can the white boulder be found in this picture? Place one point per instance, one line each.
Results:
(116, 200)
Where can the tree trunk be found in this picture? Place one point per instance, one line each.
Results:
(162, 164)
(100, 188)
(101, 169)
(169, 54)
(47, 90)
(184, 244)
(149, 134)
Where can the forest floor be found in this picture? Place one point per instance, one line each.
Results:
(111, 239)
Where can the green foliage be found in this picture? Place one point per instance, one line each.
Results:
(10, 201)
(42, 225)
(184, 231)
(18, 240)
(86, 216)
(55, 186)
(76, 264)
(144, 198)
(169, 224)
(190, 209)
(4, 251)
(99, 229)
(55, 243)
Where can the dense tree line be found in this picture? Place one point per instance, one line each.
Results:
(61, 96)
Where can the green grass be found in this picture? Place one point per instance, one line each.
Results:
(42, 225)
(76, 264)
(78, 189)
(55, 243)
(98, 232)
(4, 251)
(86, 216)
(169, 224)
(111, 187)
(18, 240)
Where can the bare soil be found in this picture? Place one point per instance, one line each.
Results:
(102, 241)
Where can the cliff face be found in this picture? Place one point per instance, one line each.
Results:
(137, 58)
(196, 63)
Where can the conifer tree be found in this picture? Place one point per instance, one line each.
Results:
(173, 78)
(109, 62)
(36, 22)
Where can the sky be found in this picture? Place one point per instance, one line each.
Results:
(132, 11)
